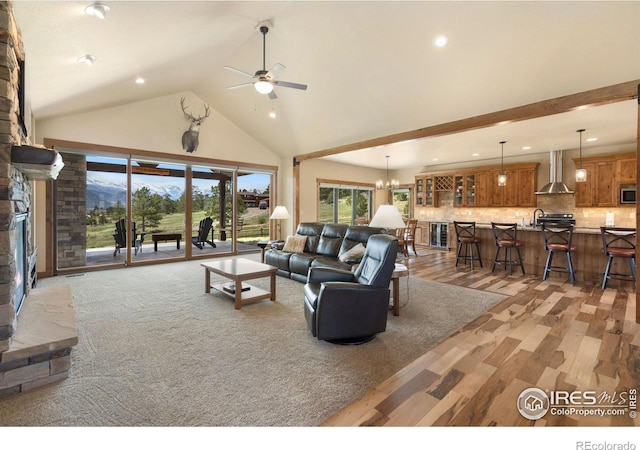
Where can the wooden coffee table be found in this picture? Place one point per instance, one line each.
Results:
(239, 270)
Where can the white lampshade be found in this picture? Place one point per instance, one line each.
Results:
(387, 216)
(280, 212)
(264, 87)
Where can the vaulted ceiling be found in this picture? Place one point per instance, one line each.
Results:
(371, 68)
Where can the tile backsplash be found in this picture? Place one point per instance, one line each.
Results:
(624, 216)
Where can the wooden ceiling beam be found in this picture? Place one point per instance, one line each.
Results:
(595, 97)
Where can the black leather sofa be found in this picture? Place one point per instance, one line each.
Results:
(324, 246)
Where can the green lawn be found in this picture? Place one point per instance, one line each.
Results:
(254, 229)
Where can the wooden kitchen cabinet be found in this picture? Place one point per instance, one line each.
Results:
(599, 189)
(626, 170)
(504, 195)
(425, 193)
(527, 186)
(480, 187)
(606, 187)
(605, 175)
(584, 190)
(464, 193)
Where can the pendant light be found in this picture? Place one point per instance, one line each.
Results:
(581, 174)
(502, 178)
(393, 184)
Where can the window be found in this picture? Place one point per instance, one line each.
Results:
(340, 203)
(107, 203)
(402, 201)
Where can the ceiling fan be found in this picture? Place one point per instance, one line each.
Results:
(265, 79)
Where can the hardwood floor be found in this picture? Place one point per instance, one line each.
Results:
(546, 334)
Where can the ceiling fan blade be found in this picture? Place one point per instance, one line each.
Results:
(241, 72)
(291, 85)
(272, 95)
(277, 69)
(240, 85)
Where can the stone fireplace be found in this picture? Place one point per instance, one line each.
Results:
(35, 345)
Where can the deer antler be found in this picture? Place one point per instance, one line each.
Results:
(190, 116)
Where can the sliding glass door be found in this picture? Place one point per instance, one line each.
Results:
(114, 210)
(157, 210)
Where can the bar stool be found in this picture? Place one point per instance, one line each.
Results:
(618, 243)
(557, 238)
(467, 240)
(505, 237)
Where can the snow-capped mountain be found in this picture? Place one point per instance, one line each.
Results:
(104, 190)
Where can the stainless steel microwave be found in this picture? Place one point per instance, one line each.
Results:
(627, 195)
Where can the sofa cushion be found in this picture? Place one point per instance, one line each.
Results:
(353, 255)
(358, 234)
(300, 262)
(330, 261)
(277, 258)
(312, 230)
(331, 239)
(294, 244)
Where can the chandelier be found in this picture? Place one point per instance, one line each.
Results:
(393, 184)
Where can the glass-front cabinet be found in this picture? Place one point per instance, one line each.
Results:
(429, 196)
(470, 189)
(465, 190)
(425, 193)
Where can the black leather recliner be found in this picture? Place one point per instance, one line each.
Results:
(351, 307)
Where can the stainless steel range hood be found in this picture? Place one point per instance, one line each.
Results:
(555, 185)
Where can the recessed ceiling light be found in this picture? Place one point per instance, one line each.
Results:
(99, 10)
(272, 114)
(526, 147)
(434, 159)
(87, 59)
(440, 41)
(139, 80)
(475, 154)
(592, 139)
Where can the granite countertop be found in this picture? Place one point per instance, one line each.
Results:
(583, 230)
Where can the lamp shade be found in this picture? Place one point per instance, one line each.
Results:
(280, 212)
(387, 216)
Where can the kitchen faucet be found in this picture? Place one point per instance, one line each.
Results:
(534, 224)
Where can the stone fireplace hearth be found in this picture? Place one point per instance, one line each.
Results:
(35, 345)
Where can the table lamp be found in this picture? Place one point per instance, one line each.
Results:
(279, 213)
(388, 217)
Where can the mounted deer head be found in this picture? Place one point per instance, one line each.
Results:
(190, 137)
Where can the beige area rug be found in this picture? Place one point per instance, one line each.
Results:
(155, 350)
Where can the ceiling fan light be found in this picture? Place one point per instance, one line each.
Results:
(264, 87)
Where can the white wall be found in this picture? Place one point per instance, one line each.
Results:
(157, 125)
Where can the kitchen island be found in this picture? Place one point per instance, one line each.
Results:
(588, 259)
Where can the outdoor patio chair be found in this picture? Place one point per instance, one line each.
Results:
(203, 233)
(120, 237)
